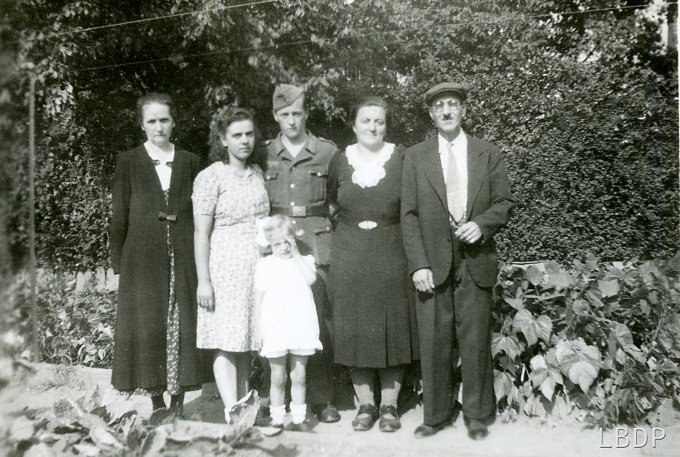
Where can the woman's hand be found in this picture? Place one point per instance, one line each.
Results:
(205, 296)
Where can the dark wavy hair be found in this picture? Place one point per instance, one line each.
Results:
(371, 100)
(154, 97)
(221, 120)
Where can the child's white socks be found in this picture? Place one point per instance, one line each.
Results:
(298, 412)
(278, 414)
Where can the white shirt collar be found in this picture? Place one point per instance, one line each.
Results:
(157, 153)
(459, 142)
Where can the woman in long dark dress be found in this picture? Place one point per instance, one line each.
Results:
(152, 249)
(369, 288)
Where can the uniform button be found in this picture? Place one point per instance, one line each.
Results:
(292, 186)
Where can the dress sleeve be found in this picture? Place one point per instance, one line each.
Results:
(120, 211)
(206, 192)
(261, 274)
(332, 188)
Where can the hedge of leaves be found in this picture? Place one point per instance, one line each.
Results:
(585, 106)
(601, 338)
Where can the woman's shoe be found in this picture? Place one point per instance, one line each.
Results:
(365, 418)
(389, 419)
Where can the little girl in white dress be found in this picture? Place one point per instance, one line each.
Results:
(286, 318)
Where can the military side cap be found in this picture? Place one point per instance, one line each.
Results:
(286, 94)
(457, 89)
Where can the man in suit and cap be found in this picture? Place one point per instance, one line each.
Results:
(295, 178)
(455, 197)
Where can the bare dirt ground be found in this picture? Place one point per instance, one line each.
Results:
(523, 438)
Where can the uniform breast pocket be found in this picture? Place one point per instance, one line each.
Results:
(318, 177)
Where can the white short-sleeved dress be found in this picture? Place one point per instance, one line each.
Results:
(235, 199)
(289, 322)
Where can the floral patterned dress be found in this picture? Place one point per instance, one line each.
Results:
(235, 199)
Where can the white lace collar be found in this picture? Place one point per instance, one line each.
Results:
(368, 173)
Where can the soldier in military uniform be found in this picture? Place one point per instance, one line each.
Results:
(297, 170)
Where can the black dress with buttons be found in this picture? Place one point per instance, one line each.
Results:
(368, 286)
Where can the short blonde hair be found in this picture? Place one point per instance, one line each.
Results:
(276, 222)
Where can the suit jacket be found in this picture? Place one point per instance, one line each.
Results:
(424, 212)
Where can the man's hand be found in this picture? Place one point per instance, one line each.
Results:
(423, 281)
(469, 233)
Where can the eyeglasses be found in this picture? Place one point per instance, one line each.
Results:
(453, 105)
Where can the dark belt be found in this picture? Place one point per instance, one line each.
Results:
(373, 222)
(301, 211)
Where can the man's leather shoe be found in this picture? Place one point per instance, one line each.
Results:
(477, 429)
(329, 414)
(424, 430)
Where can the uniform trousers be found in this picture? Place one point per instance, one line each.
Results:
(456, 320)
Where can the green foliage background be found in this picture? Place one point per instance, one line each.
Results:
(583, 103)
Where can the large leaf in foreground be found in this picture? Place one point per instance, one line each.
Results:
(579, 361)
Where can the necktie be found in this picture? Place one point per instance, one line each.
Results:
(454, 194)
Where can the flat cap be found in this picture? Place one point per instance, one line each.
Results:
(458, 89)
(286, 94)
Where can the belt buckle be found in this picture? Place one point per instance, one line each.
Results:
(367, 225)
(299, 211)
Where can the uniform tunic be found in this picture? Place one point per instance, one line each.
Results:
(297, 187)
(368, 284)
(139, 252)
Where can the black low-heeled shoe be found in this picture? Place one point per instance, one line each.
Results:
(365, 418)
(389, 419)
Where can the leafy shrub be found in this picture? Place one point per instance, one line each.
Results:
(76, 328)
(14, 328)
(602, 338)
(88, 426)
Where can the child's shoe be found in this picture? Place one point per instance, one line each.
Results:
(303, 426)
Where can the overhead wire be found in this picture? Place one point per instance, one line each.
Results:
(158, 18)
(340, 37)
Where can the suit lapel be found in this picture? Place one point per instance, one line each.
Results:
(432, 165)
(476, 162)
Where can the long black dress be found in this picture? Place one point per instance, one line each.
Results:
(152, 248)
(368, 286)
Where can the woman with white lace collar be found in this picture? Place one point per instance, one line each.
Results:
(368, 285)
